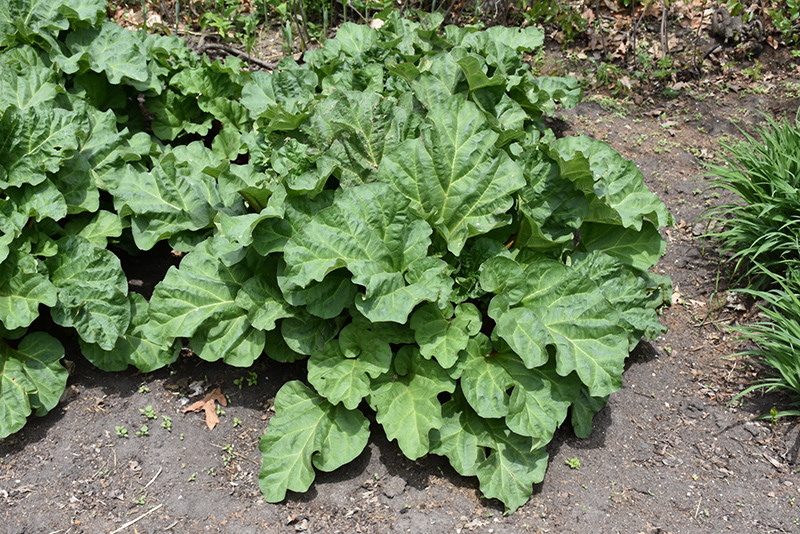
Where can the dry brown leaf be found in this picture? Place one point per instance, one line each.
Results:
(208, 404)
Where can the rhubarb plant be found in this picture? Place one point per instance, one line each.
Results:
(392, 213)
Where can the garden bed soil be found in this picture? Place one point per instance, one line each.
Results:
(668, 454)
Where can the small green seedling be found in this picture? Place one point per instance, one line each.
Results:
(166, 423)
(252, 379)
(143, 431)
(122, 431)
(236, 422)
(148, 412)
(144, 389)
(192, 478)
(573, 463)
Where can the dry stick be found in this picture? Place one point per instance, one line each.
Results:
(240, 53)
(633, 30)
(154, 478)
(600, 27)
(131, 522)
(664, 43)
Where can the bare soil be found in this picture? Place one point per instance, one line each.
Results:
(667, 455)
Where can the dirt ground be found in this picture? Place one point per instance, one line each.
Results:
(667, 454)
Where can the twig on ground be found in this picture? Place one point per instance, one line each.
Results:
(132, 521)
(154, 478)
(242, 54)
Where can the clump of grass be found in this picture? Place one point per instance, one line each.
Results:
(763, 227)
(760, 233)
(777, 339)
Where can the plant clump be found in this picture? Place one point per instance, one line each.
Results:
(394, 212)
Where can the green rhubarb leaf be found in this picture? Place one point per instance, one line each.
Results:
(306, 430)
(306, 334)
(92, 291)
(291, 88)
(638, 249)
(370, 231)
(97, 229)
(198, 301)
(326, 299)
(22, 289)
(496, 383)
(112, 50)
(584, 409)
(455, 177)
(564, 308)
(443, 333)
(165, 201)
(270, 235)
(176, 114)
(614, 186)
(262, 297)
(39, 201)
(341, 371)
(34, 141)
(31, 88)
(133, 347)
(406, 401)
(31, 379)
(507, 464)
(369, 127)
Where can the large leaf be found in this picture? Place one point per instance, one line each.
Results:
(614, 185)
(34, 141)
(92, 291)
(22, 289)
(32, 88)
(370, 231)
(443, 333)
(111, 50)
(454, 176)
(198, 301)
(341, 371)
(564, 308)
(406, 401)
(496, 383)
(132, 348)
(165, 201)
(31, 379)
(306, 430)
(507, 465)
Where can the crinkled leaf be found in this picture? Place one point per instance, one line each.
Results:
(112, 50)
(341, 371)
(638, 249)
(563, 307)
(306, 334)
(22, 289)
(33, 141)
(270, 235)
(507, 464)
(306, 429)
(133, 347)
(370, 231)
(262, 297)
(583, 411)
(164, 201)
(455, 177)
(98, 229)
(406, 401)
(92, 291)
(614, 185)
(198, 301)
(39, 201)
(34, 87)
(176, 114)
(496, 383)
(31, 379)
(442, 335)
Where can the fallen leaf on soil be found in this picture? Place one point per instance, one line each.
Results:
(208, 404)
